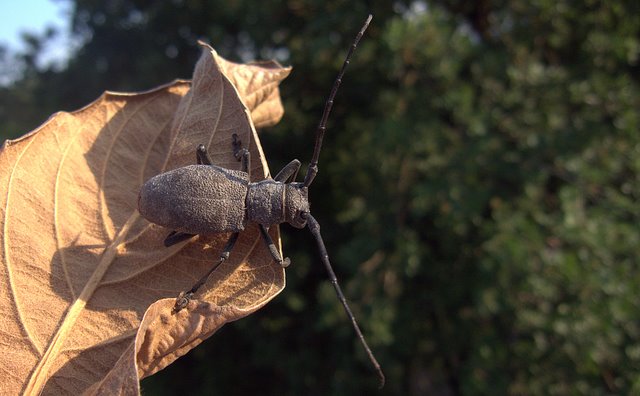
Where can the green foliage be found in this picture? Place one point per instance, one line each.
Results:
(478, 188)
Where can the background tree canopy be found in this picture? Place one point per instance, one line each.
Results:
(478, 189)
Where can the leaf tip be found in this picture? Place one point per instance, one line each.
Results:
(206, 46)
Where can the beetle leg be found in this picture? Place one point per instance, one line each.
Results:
(272, 248)
(202, 157)
(184, 297)
(241, 154)
(176, 237)
(289, 172)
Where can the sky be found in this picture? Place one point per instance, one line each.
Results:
(29, 15)
(32, 16)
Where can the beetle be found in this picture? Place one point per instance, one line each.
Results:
(208, 199)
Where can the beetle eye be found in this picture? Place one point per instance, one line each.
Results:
(301, 218)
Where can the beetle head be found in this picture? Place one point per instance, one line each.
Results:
(296, 205)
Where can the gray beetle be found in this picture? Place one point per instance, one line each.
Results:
(208, 199)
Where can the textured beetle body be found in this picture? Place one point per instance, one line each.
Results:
(208, 199)
(271, 202)
(196, 199)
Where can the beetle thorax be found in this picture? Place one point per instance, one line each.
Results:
(271, 202)
(265, 202)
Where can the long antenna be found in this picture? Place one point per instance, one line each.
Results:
(322, 126)
(314, 227)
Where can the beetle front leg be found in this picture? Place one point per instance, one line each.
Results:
(272, 248)
(184, 297)
(176, 237)
(289, 172)
(202, 157)
(241, 154)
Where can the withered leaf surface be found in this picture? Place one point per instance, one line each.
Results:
(86, 286)
(257, 83)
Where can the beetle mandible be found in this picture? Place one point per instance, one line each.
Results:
(208, 199)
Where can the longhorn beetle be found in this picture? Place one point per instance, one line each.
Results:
(208, 199)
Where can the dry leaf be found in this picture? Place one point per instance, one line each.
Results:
(257, 83)
(80, 267)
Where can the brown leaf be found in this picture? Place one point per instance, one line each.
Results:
(80, 267)
(257, 83)
(162, 333)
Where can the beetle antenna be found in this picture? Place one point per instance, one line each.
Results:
(322, 126)
(314, 227)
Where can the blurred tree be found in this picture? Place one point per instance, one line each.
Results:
(478, 190)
